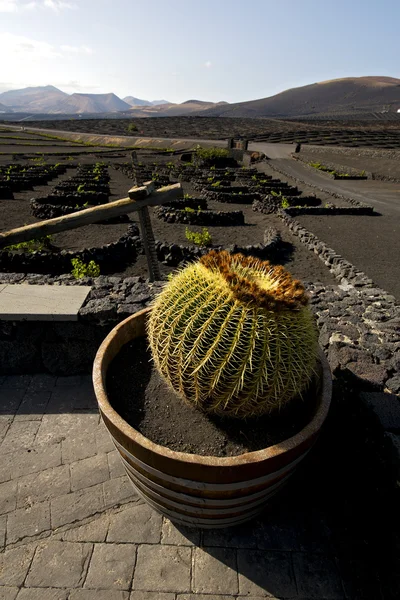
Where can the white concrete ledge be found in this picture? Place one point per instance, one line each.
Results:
(41, 302)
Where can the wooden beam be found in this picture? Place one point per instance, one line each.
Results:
(139, 197)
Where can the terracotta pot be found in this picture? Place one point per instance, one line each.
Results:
(203, 491)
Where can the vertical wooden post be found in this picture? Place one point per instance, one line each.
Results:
(146, 229)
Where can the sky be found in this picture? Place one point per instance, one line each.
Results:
(205, 49)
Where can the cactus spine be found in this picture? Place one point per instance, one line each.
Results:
(233, 335)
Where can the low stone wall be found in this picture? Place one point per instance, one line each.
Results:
(321, 189)
(352, 172)
(331, 210)
(201, 218)
(123, 250)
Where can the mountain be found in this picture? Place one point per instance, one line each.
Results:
(174, 110)
(158, 102)
(91, 103)
(136, 101)
(349, 95)
(4, 108)
(43, 99)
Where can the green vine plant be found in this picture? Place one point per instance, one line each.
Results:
(30, 246)
(81, 269)
(202, 238)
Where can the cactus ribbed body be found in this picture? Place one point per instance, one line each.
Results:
(233, 335)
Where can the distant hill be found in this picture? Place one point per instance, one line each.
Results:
(157, 102)
(4, 108)
(175, 110)
(349, 95)
(132, 101)
(92, 103)
(45, 99)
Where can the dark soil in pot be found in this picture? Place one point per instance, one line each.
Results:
(138, 393)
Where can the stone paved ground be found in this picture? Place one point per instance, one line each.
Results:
(72, 528)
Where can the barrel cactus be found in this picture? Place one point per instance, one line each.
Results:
(233, 335)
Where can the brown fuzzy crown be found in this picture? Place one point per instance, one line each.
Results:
(289, 294)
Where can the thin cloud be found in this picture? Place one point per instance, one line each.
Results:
(20, 46)
(77, 49)
(208, 64)
(16, 6)
(13, 6)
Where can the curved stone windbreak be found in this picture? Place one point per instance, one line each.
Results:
(108, 257)
(201, 217)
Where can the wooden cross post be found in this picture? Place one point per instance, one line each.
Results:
(145, 227)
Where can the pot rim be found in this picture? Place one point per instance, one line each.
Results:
(289, 444)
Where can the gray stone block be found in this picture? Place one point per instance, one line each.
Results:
(98, 595)
(14, 565)
(119, 491)
(42, 486)
(163, 569)
(111, 567)
(76, 506)
(8, 593)
(95, 531)
(89, 471)
(317, 577)
(59, 565)
(10, 399)
(34, 460)
(8, 497)
(55, 428)
(137, 524)
(214, 571)
(5, 422)
(265, 573)
(78, 447)
(179, 535)
(19, 435)
(42, 594)
(28, 522)
(115, 464)
(33, 406)
(386, 407)
(3, 521)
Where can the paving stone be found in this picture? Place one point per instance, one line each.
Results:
(55, 428)
(265, 573)
(14, 565)
(42, 486)
(118, 491)
(68, 381)
(111, 566)
(214, 571)
(42, 594)
(89, 471)
(179, 535)
(20, 435)
(8, 593)
(33, 406)
(38, 458)
(99, 595)
(155, 596)
(115, 465)
(163, 569)
(10, 399)
(5, 422)
(42, 302)
(78, 447)
(138, 524)
(8, 496)
(76, 506)
(73, 397)
(104, 440)
(95, 531)
(42, 382)
(277, 532)
(317, 576)
(386, 407)
(59, 564)
(243, 536)
(17, 382)
(3, 521)
(203, 597)
(27, 522)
